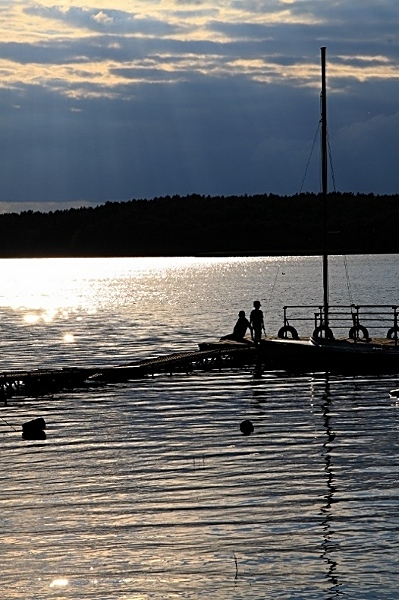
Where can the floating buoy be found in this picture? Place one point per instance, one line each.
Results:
(394, 393)
(34, 430)
(35, 424)
(246, 427)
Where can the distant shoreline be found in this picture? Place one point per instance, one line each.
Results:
(261, 225)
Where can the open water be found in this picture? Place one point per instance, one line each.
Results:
(147, 489)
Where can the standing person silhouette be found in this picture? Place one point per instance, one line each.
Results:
(256, 321)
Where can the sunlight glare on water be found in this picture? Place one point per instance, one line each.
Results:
(146, 303)
(147, 489)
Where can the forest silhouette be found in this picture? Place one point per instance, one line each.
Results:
(203, 225)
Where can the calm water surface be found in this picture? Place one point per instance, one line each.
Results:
(147, 489)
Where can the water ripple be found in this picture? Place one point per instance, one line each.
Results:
(149, 488)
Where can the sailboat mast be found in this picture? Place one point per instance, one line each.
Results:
(324, 181)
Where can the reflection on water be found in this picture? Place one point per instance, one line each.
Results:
(148, 489)
(329, 545)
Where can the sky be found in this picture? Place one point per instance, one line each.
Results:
(120, 100)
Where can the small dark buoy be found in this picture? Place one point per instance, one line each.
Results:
(34, 425)
(394, 393)
(34, 430)
(38, 434)
(246, 427)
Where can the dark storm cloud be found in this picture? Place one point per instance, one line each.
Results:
(221, 136)
(371, 149)
(164, 140)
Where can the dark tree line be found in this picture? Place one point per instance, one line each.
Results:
(192, 225)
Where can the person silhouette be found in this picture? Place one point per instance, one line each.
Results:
(240, 329)
(256, 322)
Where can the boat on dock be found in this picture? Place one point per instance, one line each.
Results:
(343, 338)
(323, 351)
(343, 356)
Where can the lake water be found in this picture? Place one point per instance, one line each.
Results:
(147, 489)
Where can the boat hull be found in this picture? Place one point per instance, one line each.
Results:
(334, 356)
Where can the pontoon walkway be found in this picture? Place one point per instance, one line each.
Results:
(39, 382)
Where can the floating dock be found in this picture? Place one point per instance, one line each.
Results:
(40, 382)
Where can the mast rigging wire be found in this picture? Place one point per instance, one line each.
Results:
(268, 300)
(310, 157)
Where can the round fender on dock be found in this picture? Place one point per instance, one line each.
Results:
(356, 329)
(328, 334)
(393, 333)
(287, 329)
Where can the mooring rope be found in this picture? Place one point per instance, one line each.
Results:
(348, 283)
(270, 296)
(8, 424)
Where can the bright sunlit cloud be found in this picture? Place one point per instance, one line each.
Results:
(70, 49)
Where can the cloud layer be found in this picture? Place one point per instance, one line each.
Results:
(141, 99)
